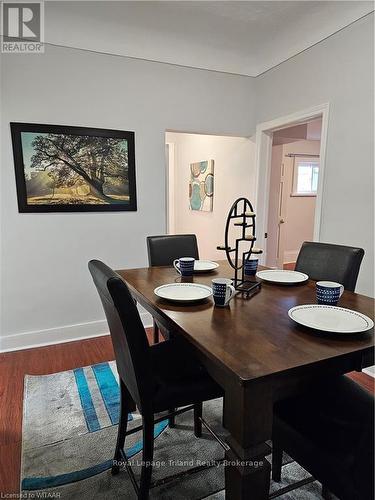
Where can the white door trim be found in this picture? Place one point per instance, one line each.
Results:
(264, 134)
(170, 179)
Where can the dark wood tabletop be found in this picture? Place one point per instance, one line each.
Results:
(258, 355)
(252, 338)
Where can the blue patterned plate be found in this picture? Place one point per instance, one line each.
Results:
(330, 318)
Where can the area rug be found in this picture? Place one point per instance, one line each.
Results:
(69, 433)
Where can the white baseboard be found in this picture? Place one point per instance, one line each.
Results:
(370, 371)
(60, 335)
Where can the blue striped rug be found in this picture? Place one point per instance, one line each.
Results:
(109, 392)
(69, 433)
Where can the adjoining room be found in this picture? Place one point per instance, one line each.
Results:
(229, 173)
(295, 163)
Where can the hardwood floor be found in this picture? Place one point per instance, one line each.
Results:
(289, 266)
(39, 361)
(364, 380)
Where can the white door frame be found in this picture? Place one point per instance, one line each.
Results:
(264, 135)
(170, 212)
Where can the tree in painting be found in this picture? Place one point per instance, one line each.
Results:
(75, 169)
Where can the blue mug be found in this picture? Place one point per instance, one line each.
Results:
(184, 266)
(251, 267)
(223, 291)
(328, 292)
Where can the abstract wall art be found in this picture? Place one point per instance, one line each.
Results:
(201, 185)
(73, 169)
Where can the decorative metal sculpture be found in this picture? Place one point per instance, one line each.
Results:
(243, 215)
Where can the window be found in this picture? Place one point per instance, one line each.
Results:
(305, 178)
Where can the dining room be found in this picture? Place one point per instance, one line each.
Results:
(149, 357)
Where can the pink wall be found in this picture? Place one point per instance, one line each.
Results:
(300, 210)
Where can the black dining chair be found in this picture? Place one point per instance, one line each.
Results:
(152, 378)
(325, 261)
(163, 250)
(330, 432)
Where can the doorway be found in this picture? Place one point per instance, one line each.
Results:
(205, 175)
(294, 176)
(263, 157)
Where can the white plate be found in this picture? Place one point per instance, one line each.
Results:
(330, 318)
(205, 266)
(281, 276)
(183, 292)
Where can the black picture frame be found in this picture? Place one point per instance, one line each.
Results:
(24, 206)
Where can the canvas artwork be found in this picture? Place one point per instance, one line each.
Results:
(62, 168)
(201, 186)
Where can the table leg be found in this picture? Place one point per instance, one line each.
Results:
(248, 418)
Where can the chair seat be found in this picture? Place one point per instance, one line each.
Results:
(180, 379)
(326, 431)
(327, 417)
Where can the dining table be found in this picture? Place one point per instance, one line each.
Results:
(257, 354)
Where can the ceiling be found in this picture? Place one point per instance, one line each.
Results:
(310, 131)
(243, 37)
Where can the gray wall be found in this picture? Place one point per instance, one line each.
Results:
(45, 282)
(339, 71)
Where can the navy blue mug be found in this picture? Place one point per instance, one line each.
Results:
(328, 292)
(251, 267)
(222, 291)
(184, 266)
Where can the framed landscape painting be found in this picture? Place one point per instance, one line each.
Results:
(73, 169)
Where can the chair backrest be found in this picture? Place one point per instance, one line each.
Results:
(163, 250)
(324, 261)
(127, 332)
